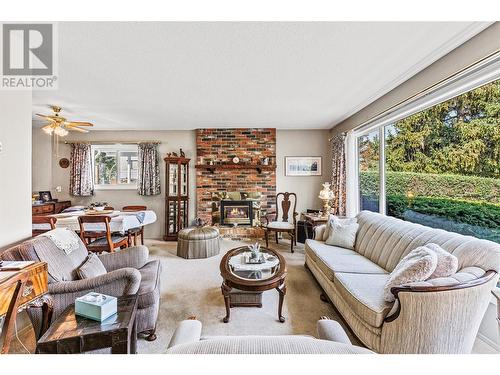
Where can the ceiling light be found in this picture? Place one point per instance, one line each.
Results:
(48, 130)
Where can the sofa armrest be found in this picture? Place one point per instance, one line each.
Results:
(116, 283)
(188, 331)
(393, 315)
(332, 331)
(134, 257)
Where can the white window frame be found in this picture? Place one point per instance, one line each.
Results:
(118, 147)
(479, 74)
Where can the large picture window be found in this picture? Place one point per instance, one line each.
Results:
(441, 165)
(115, 166)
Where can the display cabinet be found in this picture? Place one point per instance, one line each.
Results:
(177, 196)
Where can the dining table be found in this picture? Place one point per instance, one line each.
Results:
(121, 221)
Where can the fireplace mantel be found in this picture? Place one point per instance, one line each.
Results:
(258, 167)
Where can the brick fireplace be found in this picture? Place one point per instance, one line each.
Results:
(218, 147)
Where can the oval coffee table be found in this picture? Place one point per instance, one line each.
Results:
(238, 274)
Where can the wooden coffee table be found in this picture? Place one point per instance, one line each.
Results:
(75, 334)
(252, 278)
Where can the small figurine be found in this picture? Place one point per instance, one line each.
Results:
(183, 155)
(174, 154)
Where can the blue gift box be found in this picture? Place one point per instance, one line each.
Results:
(96, 306)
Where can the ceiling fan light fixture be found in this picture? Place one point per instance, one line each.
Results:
(48, 130)
(61, 132)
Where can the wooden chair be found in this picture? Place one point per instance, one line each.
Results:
(109, 208)
(48, 220)
(284, 225)
(101, 240)
(135, 232)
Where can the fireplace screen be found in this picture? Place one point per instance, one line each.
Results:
(236, 212)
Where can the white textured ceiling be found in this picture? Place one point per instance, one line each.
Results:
(168, 75)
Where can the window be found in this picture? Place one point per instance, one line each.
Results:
(115, 166)
(439, 167)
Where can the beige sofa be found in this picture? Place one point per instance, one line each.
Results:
(187, 339)
(437, 316)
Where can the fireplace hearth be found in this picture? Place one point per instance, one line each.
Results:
(236, 212)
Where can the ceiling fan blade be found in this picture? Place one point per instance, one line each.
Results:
(70, 128)
(78, 123)
(49, 118)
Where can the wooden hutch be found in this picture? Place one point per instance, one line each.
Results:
(176, 196)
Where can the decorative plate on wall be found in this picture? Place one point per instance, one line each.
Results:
(64, 163)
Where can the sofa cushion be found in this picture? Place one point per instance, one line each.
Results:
(149, 290)
(417, 265)
(332, 259)
(342, 233)
(92, 267)
(447, 264)
(364, 293)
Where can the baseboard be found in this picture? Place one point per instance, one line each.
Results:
(489, 341)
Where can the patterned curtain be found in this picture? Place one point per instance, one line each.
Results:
(149, 169)
(81, 184)
(339, 174)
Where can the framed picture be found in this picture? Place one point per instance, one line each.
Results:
(302, 165)
(45, 196)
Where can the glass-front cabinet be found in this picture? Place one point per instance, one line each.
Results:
(177, 196)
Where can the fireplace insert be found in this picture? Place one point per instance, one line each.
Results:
(236, 212)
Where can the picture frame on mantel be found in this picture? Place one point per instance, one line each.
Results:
(303, 166)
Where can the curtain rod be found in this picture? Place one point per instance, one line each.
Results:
(113, 142)
(428, 88)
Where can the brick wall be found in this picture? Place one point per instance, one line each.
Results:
(221, 145)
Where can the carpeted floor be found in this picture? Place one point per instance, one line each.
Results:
(192, 287)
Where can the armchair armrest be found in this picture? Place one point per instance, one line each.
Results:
(270, 216)
(394, 314)
(116, 283)
(332, 331)
(187, 331)
(134, 257)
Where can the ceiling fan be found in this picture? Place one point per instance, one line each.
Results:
(60, 125)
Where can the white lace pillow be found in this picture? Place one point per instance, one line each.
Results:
(447, 264)
(331, 219)
(342, 233)
(417, 265)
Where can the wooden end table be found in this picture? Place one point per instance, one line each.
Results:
(73, 334)
(252, 278)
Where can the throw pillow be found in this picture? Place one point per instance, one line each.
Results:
(342, 233)
(319, 231)
(447, 264)
(331, 219)
(92, 267)
(417, 265)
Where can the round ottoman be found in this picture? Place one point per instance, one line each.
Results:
(198, 242)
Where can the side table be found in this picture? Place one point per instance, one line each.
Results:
(73, 334)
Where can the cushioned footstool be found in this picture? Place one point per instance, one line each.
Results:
(199, 242)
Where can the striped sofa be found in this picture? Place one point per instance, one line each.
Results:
(436, 316)
(187, 339)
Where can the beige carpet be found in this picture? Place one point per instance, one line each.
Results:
(192, 287)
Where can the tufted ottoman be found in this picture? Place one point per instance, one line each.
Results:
(198, 242)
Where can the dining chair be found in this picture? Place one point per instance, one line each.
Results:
(49, 221)
(135, 232)
(100, 240)
(275, 223)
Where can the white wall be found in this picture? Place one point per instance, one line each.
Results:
(303, 143)
(15, 166)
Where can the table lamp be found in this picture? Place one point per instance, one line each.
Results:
(326, 195)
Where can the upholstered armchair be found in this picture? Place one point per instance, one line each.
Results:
(129, 271)
(284, 223)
